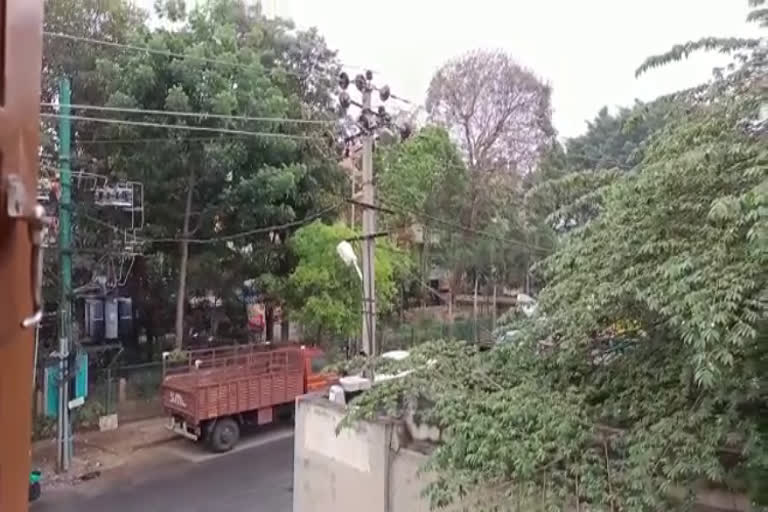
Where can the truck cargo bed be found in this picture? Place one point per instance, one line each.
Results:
(235, 384)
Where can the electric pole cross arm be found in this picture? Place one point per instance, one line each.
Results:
(21, 224)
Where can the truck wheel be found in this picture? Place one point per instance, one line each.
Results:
(205, 434)
(224, 435)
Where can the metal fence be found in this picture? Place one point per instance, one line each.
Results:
(131, 391)
(403, 336)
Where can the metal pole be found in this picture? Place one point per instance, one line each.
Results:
(65, 264)
(369, 242)
(352, 205)
(34, 358)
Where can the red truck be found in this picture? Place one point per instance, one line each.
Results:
(211, 393)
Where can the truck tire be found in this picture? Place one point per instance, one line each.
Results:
(205, 433)
(224, 435)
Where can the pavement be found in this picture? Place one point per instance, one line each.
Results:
(180, 476)
(95, 452)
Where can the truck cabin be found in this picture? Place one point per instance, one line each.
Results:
(315, 376)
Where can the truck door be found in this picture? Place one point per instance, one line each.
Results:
(316, 378)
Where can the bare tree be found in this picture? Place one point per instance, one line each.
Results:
(500, 115)
(498, 112)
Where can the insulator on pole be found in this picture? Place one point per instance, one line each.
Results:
(384, 93)
(361, 83)
(343, 80)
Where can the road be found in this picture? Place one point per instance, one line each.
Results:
(179, 477)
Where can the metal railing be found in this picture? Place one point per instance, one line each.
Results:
(130, 391)
(404, 335)
(246, 359)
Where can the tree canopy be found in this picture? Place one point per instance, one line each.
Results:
(223, 58)
(641, 377)
(499, 112)
(326, 295)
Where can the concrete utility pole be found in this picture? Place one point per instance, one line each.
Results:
(369, 228)
(369, 121)
(65, 264)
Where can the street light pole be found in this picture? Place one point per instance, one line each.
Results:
(369, 228)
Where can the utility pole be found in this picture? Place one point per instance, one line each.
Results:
(368, 122)
(65, 268)
(369, 228)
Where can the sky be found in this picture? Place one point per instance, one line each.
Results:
(587, 50)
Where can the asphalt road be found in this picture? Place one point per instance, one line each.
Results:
(180, 478)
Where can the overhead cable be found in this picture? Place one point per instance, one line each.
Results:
(146, 49)
(140, 140)
(392, 209)
(179, 127)
(167, 53)
(164, 53)
(200, 115)
(243, 234)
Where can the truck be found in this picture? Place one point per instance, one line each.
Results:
(209, 395)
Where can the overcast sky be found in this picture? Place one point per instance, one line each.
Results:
(587, 49)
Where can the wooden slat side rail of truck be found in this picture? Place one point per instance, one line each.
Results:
(212, 393)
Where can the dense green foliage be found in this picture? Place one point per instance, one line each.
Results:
(565, 190)
(617, 140)
(642, 377)
(326, 295)
(198, 185)
(422, 180)
(424, 173)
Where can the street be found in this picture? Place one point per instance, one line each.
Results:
(181, 477)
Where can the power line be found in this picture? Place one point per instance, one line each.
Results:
(460, 227)
(102, 223)
(201, 115)
(393, 210)
(181, 127)
(167, 53)
(157, 139)
(227, 238)
(164, 53)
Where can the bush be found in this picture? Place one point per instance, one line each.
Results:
(86, 417)
(43, 427)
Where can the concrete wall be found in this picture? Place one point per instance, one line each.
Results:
(337, 473)
(368, 469)
(407, 484)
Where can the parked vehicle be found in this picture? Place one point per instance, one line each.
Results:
(211, 393)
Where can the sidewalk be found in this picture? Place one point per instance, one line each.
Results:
(95, 452)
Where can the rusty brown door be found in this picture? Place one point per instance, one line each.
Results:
(21, 25)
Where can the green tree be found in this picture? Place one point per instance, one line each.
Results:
(224, 57)
(325, 295)
(617, 140)
(565, 190)
(422, 179)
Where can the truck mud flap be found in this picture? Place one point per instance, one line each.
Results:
(181, 428)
